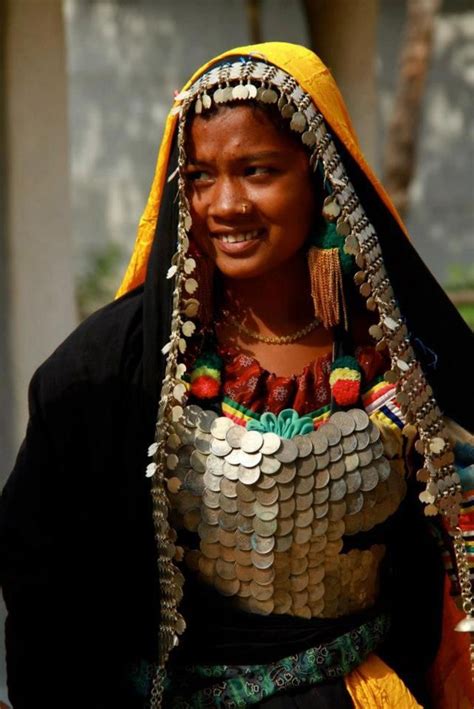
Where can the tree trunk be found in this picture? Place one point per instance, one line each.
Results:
(254, 19)
(401, 145)
(343, 34)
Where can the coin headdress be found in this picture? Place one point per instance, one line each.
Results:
(416, 322)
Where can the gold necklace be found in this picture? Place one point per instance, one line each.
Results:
(275, 340)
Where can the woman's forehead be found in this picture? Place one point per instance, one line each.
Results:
(238, 128)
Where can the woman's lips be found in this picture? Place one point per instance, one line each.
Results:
(238, 243)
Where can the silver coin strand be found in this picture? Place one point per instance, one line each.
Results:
(443, 489)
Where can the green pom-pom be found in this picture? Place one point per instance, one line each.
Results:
(345, 361)
(209, 359)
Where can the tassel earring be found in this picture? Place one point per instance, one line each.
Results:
(327, 262)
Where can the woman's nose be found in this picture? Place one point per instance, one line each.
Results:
(227, 200)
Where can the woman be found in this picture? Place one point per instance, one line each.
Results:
(285, 521)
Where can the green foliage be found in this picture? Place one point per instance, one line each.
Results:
(460, 287)
(101, 278)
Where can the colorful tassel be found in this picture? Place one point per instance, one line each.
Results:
(206, 376)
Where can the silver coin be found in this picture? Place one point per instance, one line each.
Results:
(266, 512)
(184, 455)
(271, 443)
(173, 442)
(191, 415)
(186, 434)
(321, 496)
(250, 460)
(269, 466)
(354, 503)
(365, 457)
(251, 442)
(210, 516)
(337, 490)
(335, 453)
(320, 442)
(344, 422)
(263, 528)
(321, 479)
(220, 447)
(353, 481)
(360, 418)
(228, 504)
(336, 470)
(304, 444)
(370, 478)
(212, 482)
(288, 451)
(351, 462)
(227, 520)
(234, 436)
(306, 466)
(286, 491)
(318, 545)
(304, 485)
(244, 492)
(283, 543)
(322, 460)
(198, 461)
(234, 456)
(262, 545)
(335, 530)
(210, 499)
(285, 526)
(249, 476)
(203, 442)
(332, 433)
(266, 482)
(383, 469)
(231, 472)
(363, 439)
(247, 509)
(205, 420)
(172, 461)
(337, 510)
(267, 497)
(349, 444)
(225, 569)
(304, 501)
(286, 474)
(377, 449)
(320, 526)
(228, 488)
(215, 465)
(374, 433)
(304, 518)
(194, 483)
(245, 524)
(220, 426)
(207, 533)
(321, 510)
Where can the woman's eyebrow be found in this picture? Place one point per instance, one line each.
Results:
(263, 155)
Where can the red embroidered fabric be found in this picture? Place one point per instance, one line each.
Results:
(248, 384)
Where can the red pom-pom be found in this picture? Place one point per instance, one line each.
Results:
(205, 387)
(346, 391)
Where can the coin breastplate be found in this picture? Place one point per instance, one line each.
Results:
(271, 512)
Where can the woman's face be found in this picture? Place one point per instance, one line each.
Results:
(250, 191)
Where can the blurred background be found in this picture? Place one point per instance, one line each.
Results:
(85, 86)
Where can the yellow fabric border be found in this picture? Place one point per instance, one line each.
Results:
(374, 685)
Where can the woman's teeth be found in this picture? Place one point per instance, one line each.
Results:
(236, 238)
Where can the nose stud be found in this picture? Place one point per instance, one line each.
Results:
(245, 207)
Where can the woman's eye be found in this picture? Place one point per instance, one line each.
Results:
(198, 175)
(258, 170)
